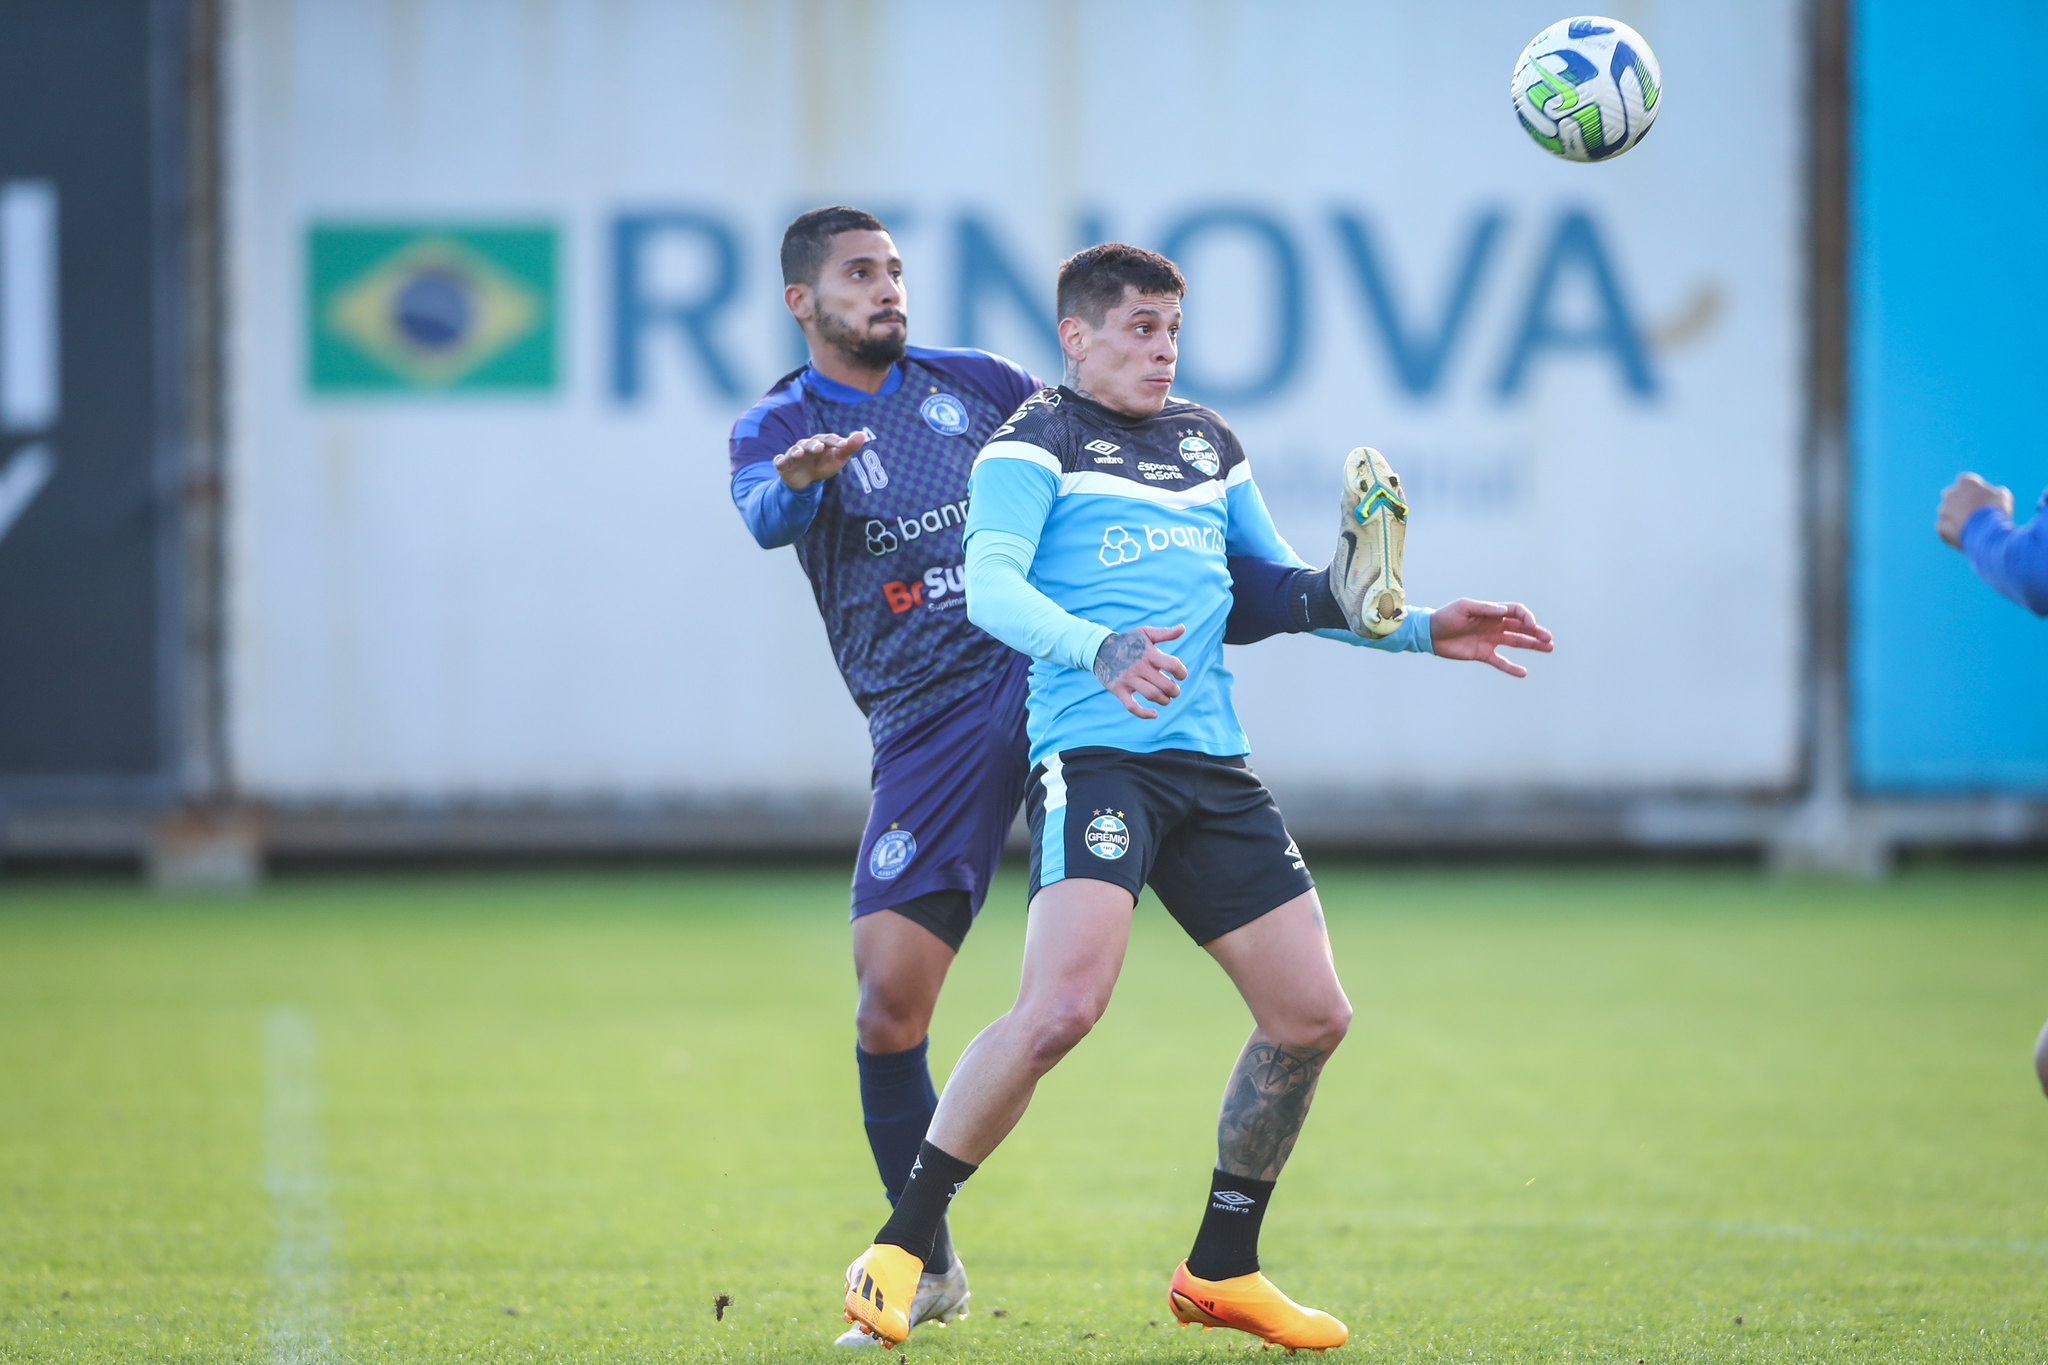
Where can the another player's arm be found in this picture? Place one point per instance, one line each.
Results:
(1466, 629)
(777, 493)
(815, 459)
(1010, 494)
(1976, 518)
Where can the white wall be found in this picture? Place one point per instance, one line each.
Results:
(551, 595)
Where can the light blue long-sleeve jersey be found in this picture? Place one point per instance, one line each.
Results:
(2012, 559)
(1083, 524)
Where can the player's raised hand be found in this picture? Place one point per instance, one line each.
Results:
(1132, 665)
(1466, 629)
(817, 458)
(1960, 501)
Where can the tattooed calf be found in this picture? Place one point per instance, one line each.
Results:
(1264, 1107)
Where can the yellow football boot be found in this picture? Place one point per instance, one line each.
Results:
(1373, 530)
(881, 1285)
(941, 1298)
(1251, 1303)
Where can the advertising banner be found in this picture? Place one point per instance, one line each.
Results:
(84, 628)
(503, 276)
(1947, 676)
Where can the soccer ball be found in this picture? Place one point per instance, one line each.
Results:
(1587, 88)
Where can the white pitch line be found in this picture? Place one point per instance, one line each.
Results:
(301, 1325)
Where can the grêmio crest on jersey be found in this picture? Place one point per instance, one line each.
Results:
(1182, 446)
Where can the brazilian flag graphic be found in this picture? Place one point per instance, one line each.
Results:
(430, 308)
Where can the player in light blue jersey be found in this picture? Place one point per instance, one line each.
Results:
(1102, 521)
(876, 518)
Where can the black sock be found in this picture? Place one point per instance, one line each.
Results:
(921, 1208)
(1312, 603)
(1228, 1244)
(896, 1101)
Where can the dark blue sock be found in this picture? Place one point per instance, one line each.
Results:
(897, 1101)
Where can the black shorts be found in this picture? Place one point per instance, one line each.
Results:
(1202, 831)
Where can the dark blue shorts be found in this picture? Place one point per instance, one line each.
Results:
(946, 791)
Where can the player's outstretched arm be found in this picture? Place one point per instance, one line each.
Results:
(1478, 631)
(817, 458)
(1962, 500)
(1976, 518)
(1131, 665)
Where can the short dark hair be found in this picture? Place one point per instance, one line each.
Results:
(808, 241)
(1092, 281)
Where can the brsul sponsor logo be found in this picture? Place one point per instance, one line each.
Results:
(1107, 837)
(941, 587)
(1121, 544)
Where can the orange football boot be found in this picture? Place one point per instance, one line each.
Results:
(881, 1285)
(1251, 1303)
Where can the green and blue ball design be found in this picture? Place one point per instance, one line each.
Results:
(1587, 89)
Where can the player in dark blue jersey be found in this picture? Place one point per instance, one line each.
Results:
(1105, 514)
(861, 460)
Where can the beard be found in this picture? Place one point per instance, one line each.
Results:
(867, 351)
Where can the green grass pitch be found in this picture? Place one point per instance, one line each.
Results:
(1583, 1115)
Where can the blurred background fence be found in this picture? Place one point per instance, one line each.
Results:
(366, 366)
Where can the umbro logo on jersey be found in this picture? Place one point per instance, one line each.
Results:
(1105, 452)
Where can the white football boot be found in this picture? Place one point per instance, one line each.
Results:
(1366, 573)
(940, 1299)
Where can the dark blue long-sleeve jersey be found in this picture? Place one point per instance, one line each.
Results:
(880, 541)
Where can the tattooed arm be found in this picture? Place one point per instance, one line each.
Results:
(1264, 1106)
(1131, 665)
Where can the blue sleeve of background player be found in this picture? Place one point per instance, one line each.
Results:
(2013, 560)
(776, 513)
(1007, 504)
(1253, 533)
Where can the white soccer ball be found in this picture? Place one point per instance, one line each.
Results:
(1587, 88)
